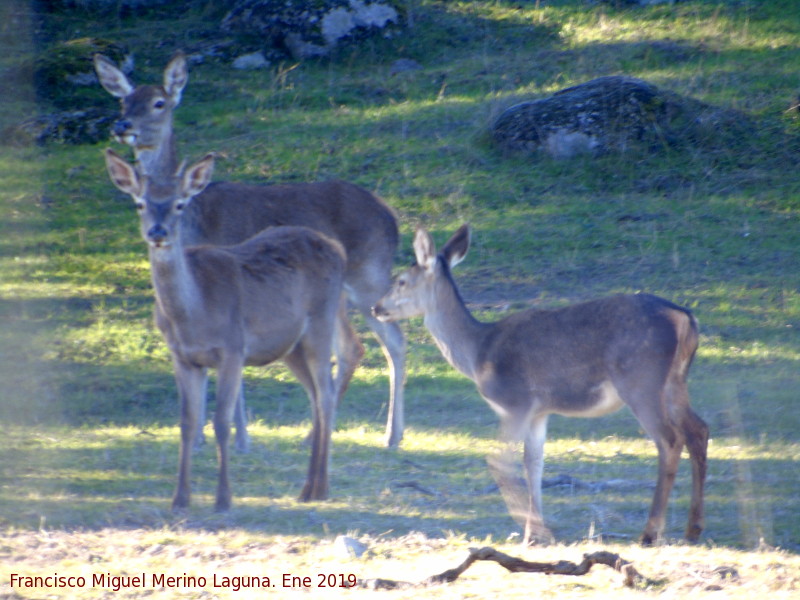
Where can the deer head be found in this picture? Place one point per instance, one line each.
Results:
(145, 122)
(160, 204)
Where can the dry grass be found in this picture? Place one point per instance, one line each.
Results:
(220, 557)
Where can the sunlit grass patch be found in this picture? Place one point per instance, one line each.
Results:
(88, 407)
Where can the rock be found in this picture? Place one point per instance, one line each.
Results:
(70, 127)
(307, 28)
(615, 114)
(347, 547)
(254, 60)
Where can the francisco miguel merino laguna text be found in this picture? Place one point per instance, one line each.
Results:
(163, 580)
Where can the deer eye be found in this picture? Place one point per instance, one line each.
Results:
(179, 206)
(139, 205)
(159, 104)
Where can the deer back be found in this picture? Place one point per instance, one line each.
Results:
(227, 213)
(579, 360)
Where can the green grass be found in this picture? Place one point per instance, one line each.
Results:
(88, 436)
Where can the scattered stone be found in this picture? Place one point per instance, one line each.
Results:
(254, 60)
(307, 28)
(348, 547)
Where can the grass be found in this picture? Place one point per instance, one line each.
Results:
(87, 417)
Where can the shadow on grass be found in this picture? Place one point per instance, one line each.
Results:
(94, 477)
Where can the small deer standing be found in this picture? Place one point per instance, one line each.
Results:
(584, 360)
(228, 213)
(272, 297)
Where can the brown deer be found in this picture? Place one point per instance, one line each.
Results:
(584, 360)
(272, 297)
(228, 213)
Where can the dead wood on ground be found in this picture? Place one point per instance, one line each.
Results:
(632, 578)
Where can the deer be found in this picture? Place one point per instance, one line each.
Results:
(583, 360)
(228, 213)
(273, 297)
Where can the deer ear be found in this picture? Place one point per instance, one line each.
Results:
(424, 249)
(111, 78)
(456, 248)
(176, 75)
(198, 176)
(123, 175)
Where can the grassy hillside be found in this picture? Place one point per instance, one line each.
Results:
(88, 436)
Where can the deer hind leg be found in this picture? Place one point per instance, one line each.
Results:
(311, 365)
(349, 351)
(192, 384)
(669, 441)
(695, 432)
(242, 440)
(229, 387)
(200, 437)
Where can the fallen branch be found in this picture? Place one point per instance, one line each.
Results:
(516, 565)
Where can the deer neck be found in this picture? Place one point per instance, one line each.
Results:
(176, 288)
(158, 161)
(456, 332)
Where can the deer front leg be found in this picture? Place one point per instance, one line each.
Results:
(393, 344)
(535, 529)
(229, 387)
(191, 383)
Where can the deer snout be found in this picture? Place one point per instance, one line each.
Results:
(121, 126)
(157, 235)
(380, 313)
(123, 132)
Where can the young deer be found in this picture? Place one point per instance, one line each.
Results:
(584, 360)
(272, 297)
(228, 213)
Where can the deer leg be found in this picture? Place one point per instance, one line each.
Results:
(191, 383)
(533, 457)
(669, 455)
(200, 438)
(669, 443)
(393, 344)
(349, 351)
(242, 440)
(312, 368)
(696, 434)
(229, 386)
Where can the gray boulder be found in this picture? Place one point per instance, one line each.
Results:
(615, 114)
(306, 28)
